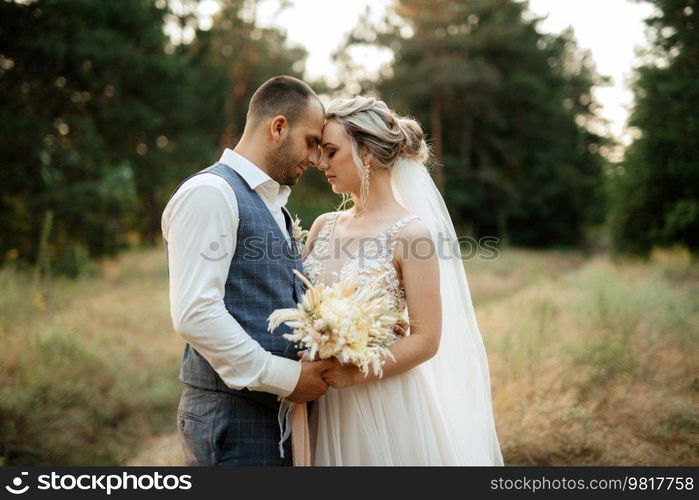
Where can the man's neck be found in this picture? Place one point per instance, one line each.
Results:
(252, 153)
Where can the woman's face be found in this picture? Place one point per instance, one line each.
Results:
(336, 160)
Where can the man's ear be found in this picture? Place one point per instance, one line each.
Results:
(278, 128)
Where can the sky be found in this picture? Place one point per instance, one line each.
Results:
(611, 29)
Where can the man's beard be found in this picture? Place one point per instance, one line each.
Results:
(282, 165)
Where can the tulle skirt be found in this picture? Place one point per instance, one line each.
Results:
(392, 421)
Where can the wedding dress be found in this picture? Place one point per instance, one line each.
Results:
(390, 421)
(437, 413)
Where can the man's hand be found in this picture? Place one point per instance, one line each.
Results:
(311, 385)
(401, 328)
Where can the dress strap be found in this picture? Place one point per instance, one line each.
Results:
(393, 231)
(399, 224)
(324, 237)
(330, 223)
(325, 231)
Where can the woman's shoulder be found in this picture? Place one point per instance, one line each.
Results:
(412, 227)
(414, 236)
(319, 223)
(323, 218)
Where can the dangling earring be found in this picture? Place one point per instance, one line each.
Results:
(364, 190)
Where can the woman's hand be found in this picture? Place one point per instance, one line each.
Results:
(340, 376)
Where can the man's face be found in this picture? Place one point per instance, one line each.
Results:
(300, 148)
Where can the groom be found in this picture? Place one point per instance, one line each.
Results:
(230, 258)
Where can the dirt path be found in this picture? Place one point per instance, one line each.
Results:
(163, 450)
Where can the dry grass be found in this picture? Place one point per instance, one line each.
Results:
(593, 362)
(89, 367)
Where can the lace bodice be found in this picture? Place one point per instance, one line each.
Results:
(373, 260)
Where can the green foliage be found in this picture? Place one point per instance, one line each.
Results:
(655, 192)
(86, 90)
(507, 111)
(245, 56)
(107, 115)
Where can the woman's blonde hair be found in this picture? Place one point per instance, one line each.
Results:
(374, 129)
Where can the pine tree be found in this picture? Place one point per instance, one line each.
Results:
(103, 114)
(506, 109)
(655, 192)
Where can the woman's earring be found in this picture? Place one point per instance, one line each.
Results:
(364, 190)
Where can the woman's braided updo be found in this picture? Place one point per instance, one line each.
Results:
(375, 129)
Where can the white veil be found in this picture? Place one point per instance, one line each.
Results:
(458, 374)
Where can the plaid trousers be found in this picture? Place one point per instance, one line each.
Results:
(222, 428)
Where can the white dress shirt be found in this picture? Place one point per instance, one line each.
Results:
(200, 224)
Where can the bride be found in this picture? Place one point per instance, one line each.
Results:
(433, 404)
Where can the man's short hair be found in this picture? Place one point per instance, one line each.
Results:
(281, 95)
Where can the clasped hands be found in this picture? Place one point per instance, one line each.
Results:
(317, 376)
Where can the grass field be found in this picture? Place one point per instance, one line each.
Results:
(89, 367)
(593, 362)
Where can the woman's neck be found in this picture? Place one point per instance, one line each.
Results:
(380, 194)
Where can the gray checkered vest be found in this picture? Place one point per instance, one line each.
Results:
(260, 280)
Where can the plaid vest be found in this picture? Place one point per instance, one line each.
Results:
(260, 280)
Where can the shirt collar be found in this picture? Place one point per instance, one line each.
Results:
(255, 176)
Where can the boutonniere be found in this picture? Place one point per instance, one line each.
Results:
(298, 233)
